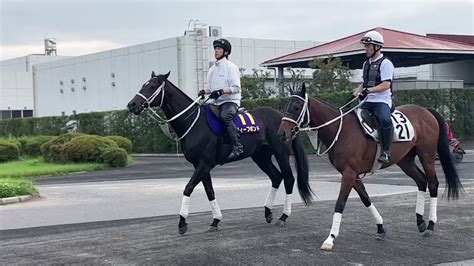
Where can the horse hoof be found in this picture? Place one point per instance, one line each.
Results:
(268, 215)
(213, 228)
(427, 233)
(183, 229)
(327, 246)
(280, 223)
(422, 227)
(380, 236)
(269, 218)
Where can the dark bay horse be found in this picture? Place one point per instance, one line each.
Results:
(205, 150)
(353, 155)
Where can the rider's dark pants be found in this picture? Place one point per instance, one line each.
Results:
(227, 112)
(382, 113)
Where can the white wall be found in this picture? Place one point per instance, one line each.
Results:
(131, 66)
(461, 70)
(25, 63)
(16, 91)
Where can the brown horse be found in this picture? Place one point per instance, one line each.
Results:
(352, 154)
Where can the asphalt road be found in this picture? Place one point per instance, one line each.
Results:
(244, 236)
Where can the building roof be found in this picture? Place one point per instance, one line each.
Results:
(469, 39)
(403, 48)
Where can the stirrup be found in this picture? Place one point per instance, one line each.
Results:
(384, 157)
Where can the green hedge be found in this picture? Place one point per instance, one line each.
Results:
(33, 145)
(9, 151)
(114, 156)
(51, 150)
(86, 148)
(122, 142)
(457, 105)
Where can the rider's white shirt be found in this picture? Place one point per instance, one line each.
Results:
(225, 74)
(386, 74)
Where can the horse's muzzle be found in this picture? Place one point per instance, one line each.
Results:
(135, 108)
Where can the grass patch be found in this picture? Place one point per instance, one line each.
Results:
(34, 167)
(11, 187)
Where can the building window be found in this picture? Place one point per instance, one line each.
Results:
(27, 113)
(6, 115)
(16, 114)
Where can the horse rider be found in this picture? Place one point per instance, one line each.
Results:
(223, 80)
(377, 88)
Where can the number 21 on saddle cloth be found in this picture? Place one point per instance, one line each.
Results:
(402, 128)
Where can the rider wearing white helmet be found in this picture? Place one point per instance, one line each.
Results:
(377, 88)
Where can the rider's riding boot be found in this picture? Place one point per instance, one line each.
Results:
(386, 135)
(237, 149)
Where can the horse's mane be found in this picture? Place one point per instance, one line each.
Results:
(180, 91)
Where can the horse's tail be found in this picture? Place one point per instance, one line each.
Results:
(305, 190)
(446, 159)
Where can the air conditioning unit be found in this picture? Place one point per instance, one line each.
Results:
(215, 31)
(200, 32)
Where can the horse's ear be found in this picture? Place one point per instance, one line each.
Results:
(303, 90)
(167, 75)
(153, 74)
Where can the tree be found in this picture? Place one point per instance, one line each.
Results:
(292, 84)
(253, 86)
(330, 75)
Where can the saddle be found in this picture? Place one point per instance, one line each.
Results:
(402, 127)
(245, 122)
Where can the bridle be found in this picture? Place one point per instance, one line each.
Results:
(299, 126)
(162, 121)
(304, 114)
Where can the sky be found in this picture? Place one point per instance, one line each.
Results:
(87, 26)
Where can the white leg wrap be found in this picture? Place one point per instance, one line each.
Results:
(185, 206)
(328, 244)
(216, 212)
(336, 223)
(433, 207)
(377, 217)
(420, 203)
(271, 198)
(287, 207)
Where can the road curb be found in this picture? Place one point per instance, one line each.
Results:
(10, 200)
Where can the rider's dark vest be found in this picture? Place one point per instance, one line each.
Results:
(371, 73)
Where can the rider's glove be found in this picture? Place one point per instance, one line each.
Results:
(216, 94)
(364, 94)
(201, 93)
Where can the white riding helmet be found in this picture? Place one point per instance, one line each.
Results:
(373, 37)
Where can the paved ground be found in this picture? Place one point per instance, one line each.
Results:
(244, 237)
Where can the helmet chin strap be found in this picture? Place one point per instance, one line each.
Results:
(375, 50)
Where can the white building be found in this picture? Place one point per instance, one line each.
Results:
(108, 80)
(16, 85)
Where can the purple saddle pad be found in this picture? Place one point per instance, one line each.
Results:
(245, 123)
